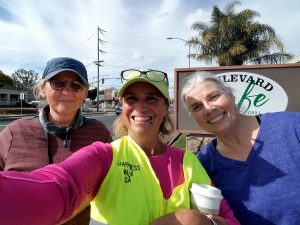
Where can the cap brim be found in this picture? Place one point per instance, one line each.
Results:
(54, 73)
(144, 80)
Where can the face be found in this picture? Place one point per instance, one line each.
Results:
(212, 108)
(143, 110)
(66, 101)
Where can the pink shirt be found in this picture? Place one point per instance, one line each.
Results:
(53, 193)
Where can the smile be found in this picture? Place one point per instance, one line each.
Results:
(216, 119)
(141, 118)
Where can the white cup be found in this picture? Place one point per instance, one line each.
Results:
(205, 198)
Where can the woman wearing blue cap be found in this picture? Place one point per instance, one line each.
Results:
(59, 130)
(135, 180)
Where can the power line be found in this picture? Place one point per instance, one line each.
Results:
(156, 49)
(135, 36)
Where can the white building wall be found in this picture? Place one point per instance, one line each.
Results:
(11, 97)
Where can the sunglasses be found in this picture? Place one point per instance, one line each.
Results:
(60, 85)
(152, 75)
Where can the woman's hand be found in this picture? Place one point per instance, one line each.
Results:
(183, 217)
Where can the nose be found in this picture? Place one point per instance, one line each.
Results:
(67, 88)
(208, 107)
(140, 105)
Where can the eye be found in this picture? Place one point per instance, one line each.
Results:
(77, 86)
(152, 98)
(196, 107)
(130, 98)
(215, 97)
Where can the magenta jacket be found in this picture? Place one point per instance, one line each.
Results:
(52, 194)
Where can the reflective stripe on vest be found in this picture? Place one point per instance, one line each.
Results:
(130, 193)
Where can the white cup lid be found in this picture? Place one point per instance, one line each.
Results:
(206, 190)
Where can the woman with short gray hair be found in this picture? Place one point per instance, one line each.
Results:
(254, 160)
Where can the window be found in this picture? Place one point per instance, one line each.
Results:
(3, 97)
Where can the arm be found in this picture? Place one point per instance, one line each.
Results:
(187, 217)
(227, 213)
(5, 140)
(54, 193)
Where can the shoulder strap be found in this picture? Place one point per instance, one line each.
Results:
(50, 157)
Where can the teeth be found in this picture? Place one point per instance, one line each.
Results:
(216, 119)
(141, 118)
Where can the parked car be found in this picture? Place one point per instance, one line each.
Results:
(24, 104)
(118, 109)
(34, 104)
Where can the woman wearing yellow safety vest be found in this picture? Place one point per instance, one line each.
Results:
(134, 180)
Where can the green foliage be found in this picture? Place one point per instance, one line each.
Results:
(181, 141)
(24, 80)
(235, 39)
(5, 80)
(92, 94)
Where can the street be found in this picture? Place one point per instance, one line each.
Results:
(107, 118)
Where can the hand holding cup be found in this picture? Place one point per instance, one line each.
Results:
(205, 198)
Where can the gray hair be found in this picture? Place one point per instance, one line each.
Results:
(37, 93)
(37, 89)
(198, 77)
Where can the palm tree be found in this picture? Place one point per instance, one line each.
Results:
(235, 39)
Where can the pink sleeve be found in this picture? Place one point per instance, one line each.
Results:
(227, 213)
(51, 194)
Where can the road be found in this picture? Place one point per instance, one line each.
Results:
(106, 118)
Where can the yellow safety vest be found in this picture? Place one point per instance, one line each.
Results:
(130, 194)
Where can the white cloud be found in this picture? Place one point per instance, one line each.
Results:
(136, 33)
(138, 55)
(199, 15)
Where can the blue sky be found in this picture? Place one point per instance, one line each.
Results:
(34, 31)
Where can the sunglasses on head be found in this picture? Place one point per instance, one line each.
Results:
(60, 85)
(152, 75)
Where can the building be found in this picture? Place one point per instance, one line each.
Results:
(12, 97)
(110, 96)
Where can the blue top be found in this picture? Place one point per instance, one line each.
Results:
(264, 189)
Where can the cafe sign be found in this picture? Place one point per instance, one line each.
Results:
(255, 94)
(257, 89)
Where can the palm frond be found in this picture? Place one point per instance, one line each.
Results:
(274, 58)
(235, 38)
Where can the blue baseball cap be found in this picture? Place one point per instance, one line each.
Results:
(57, 65)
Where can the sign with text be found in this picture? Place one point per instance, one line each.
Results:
(22, 96)
(257, 89)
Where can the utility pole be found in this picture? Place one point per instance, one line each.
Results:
(187, 43)
(98, 60)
